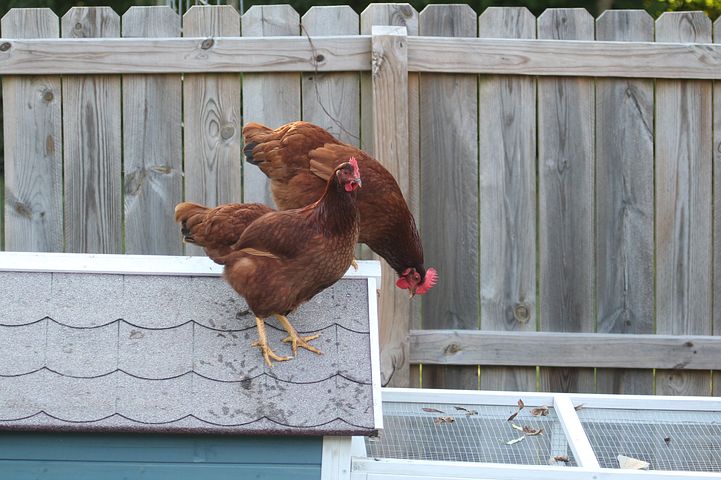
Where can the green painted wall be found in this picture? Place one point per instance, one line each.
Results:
(79, 456)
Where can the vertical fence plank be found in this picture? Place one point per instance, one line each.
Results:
(717, 210)
(449, 162)
(390, 122)
(395, 309)
(624, 202)
(683, 203)
(211, 117)
(332, 100)
(507, 163)
(92, 143)
(33, 144)
(152, 143)
(269, 98)
(566, 158)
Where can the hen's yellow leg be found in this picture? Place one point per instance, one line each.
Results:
(262, 343)
(296, 340)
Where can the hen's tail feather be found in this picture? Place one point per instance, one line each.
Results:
(248, 152)
(191, 216)
(254, 134)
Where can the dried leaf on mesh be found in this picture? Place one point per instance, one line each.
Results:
(442, 420)
(520, 404)
(560, 458)
(432, 410)
(515, 440)
(517, 427)
(630, 463)
(510, 419)
(541, 411)
(467, 411)
(530, 431)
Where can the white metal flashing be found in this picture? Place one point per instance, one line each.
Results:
(375, 353)
(135, 264)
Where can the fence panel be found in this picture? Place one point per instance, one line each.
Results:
(624, 202)
(92, 143)
(33, 145)
(332, 100)
(507, 126)
(269, 98)
(449, 162)
(683, 203)
(566, 163)
(152, 143)
(397, 312)
(717, 209)
(211, 116)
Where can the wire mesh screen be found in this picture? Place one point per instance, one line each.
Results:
(667, 440)
(470, 433)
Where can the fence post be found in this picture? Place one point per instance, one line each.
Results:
(389, 73)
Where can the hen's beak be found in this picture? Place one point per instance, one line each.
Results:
(357, 181)
(411, 292)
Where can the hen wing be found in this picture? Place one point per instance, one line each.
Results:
(284, 234)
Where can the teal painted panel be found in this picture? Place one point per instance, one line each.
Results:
(54, 470)
(96, 447)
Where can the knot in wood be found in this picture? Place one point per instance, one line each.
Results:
(207, 43)
(5, 46)
(227, 132)
(319, 58)
(521, 313)
(48, 96)
(452, 348)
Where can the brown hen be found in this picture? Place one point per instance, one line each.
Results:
(298, 158)
(279, 260)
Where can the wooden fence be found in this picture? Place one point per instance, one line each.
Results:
(563, 182)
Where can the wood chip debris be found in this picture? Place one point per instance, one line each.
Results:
(467, 411)
(442, 420)
(432, 410)
(515, 440)
(630, 463)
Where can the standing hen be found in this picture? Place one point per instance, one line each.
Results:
(280, 260)
(299, 157)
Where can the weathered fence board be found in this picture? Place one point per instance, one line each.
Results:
(624, 202)
(563, 349)
(565, 166)
(449, 162)
(92, 144)
(269, 98)
(211, 116)
(390, 133)
(332, 100)
(683, 206)
(717, 210)
(33, 145)
(396, 312)
(507, 166)
(152, 143)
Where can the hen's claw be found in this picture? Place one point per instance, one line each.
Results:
(296, 340)
(262, 343)
(354, 264)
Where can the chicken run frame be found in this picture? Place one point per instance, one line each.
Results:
(186, 91)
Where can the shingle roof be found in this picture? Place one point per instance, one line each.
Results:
(126, 352)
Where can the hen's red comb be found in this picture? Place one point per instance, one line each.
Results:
(354, 164)
(429, 282)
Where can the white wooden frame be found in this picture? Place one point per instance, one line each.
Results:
(365, 468)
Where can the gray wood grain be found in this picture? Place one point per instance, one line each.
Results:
(683, 203)
(92, 143)
(32, 145)
(449, 163)
(269, 98)
(566, 163)
(390, 123)
(606, 350)
(393, 301)
(211, 118)
(507, 128)
(152, 143)
(717, 211)
(332, 100)
(624, 202)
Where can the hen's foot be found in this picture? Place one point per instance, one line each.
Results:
(262, 343)
(296, 340)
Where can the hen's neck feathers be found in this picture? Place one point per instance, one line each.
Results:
(336, 209)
